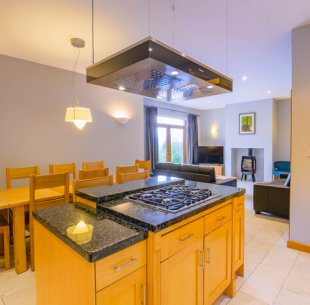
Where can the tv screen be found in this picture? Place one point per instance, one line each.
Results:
(209, 154)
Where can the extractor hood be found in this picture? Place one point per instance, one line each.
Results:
(151, 68)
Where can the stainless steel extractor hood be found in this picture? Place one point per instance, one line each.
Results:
(152, 69)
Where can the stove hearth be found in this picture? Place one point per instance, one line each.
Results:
(173, 198)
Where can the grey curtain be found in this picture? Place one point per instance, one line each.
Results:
(192, 136)
(151, 137)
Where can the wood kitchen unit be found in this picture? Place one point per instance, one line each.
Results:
(189, 260)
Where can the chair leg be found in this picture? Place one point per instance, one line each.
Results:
(253, 177)
(242, 177)
(6, 240)
(31, 249)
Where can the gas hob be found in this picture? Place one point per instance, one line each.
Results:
(173, 198)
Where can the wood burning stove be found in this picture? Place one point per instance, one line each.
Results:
(248, 165)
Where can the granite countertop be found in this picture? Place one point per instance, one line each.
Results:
(110, 234)
(154, 220)
(116, 191)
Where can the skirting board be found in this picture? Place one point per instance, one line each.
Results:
(298, 246)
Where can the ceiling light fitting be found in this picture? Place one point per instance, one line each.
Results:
(76, 114)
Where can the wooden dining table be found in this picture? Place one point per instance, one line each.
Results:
(17, 199)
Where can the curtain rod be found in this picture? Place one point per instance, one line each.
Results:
(172, 110)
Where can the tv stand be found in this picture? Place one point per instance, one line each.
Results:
(219, 168)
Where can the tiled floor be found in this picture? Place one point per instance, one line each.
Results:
(274, 274)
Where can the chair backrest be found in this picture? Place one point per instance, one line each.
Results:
(62, 168)
(91, 174)
(282, 166)
(145, 164)
(88, 166)
(132, 176)
(121, 170)
(47, 182)
(78, 184)
(20, 173)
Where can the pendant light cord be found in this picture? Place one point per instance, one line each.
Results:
(73, 79)
(92, 31)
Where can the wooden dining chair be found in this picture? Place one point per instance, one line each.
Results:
(16, 173)
(146, 165)
(91, 174)
(62, 168)
(5, 231)
(128, 173)
(88, 166)
(61, 181)
(78, 184)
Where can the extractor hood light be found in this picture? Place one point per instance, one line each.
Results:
(174, 73)
(122, 88)
(210, 87)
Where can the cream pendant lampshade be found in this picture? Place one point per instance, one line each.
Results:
(76, 114)
(79, 116)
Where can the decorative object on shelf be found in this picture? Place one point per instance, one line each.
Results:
(247, 123)
(76, 114)
(80, 233)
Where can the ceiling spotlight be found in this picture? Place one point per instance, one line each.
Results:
(183, 54)
(268, 91)
(174, 73)
(150, 49)
(159, 97)
(244, 78)
(122, 88)
(210, 87)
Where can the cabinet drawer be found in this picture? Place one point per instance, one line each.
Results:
(120, 264)
(218, 218)
(181, 238)
(239, 204)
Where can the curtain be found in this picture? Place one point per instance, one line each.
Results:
(151, 137)
(192, 136)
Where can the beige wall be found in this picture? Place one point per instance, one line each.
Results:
(33, 99)
(300, 190)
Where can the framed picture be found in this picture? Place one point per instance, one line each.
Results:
(247, 123)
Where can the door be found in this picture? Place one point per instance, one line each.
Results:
(182, 277)
(217, 272)
(130, 290)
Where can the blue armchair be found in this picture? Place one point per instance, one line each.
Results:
(281, 169)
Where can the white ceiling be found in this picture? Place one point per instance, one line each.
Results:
(235, 37)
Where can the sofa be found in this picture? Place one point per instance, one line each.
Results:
(191, 172)
(272, 197)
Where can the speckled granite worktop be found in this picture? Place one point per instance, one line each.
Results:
(110, 234)
(116, 191)
(154, 220)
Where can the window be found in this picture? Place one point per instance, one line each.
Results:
(171, 140)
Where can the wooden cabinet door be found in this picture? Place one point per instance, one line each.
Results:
(217, 272)
(130, 290)
(238, 238)
(182, 277)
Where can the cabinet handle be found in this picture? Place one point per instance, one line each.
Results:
(220, 218)
(202, 259)
(208, 255)
(119, 268)
(143, 294)
(186, 237)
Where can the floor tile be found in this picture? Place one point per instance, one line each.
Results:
(287, 297)
(264, 284)
(243, 299)
(25, 296)
(299, 278)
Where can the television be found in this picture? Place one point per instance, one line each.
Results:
(209, 154)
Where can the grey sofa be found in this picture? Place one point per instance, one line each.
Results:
(191, 172)
(272, 197)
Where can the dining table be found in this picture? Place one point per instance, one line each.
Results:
(17, 199)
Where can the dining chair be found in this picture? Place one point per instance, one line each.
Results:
(78, 184)
(16, 173)
(128, 173)
(87, 166)
(46, 182)
(62, 168)
(5, 231)
(91, 174)
(146, 165)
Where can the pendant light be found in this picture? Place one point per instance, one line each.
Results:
(76, 114)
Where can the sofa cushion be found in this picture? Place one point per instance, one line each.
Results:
(189, 168)
(168, 166)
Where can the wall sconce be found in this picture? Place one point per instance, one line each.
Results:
(121, 118)
(214, 131)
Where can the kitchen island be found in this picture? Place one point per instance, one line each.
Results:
(139, 254)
